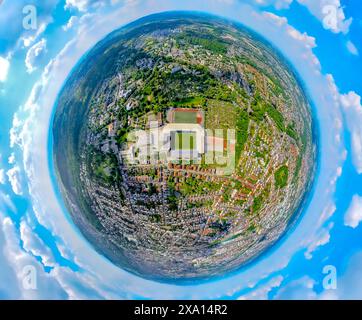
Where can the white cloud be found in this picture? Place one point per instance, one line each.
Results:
(353, 216)
(262, 292)
(329, 12)
(71, 22)
(81, 5)
(9, 288)
(81, 22)
(14, 179)
(278, 4)
(322, 239)
(7, 203)
(33, 54)
(277, 20)
(2, 176)
(306, 41)
(11, 159)
(352, 48)
(85, 5)
(4, 69)
(300, 289)
(310, 42)
(30, 39)
(351, 103)
(89, 5)
(327, 213)
(15, 134)
(34, 245)
(16, 258)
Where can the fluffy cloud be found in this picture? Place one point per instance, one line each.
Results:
(262, 293)
(14, 179)
(306, 41)
(19, 261)
(7, 203)
(309, 42)
(321, 235)
(28, 40)
(15, 136)
(71, 22)
(4, 69)
(7, 275)
(34, 245)
(277, 20)
(80, 22)
(81, 5)
(329, 12)
(11, 159)
(321, 240)
(298, 289)
(84, 5)
(352, 48)
(2, 176)
(351, 103)
(33, 54)
(353, 216)
(279, 4)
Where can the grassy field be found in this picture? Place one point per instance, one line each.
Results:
(190, 102)
(185, 117)
(184, 141)
(281, 177)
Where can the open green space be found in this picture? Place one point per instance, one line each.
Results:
(185, 117)
(183, 140)
(281, 177)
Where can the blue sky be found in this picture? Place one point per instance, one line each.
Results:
(321, 38)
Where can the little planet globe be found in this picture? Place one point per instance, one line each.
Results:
(183, 146)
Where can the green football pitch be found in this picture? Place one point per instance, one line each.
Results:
(185, 117)
(184, 141)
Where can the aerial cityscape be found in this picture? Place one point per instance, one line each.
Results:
(184, 146)
(199, 151)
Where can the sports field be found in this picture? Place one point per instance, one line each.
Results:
(185, 117)
(183, 140)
